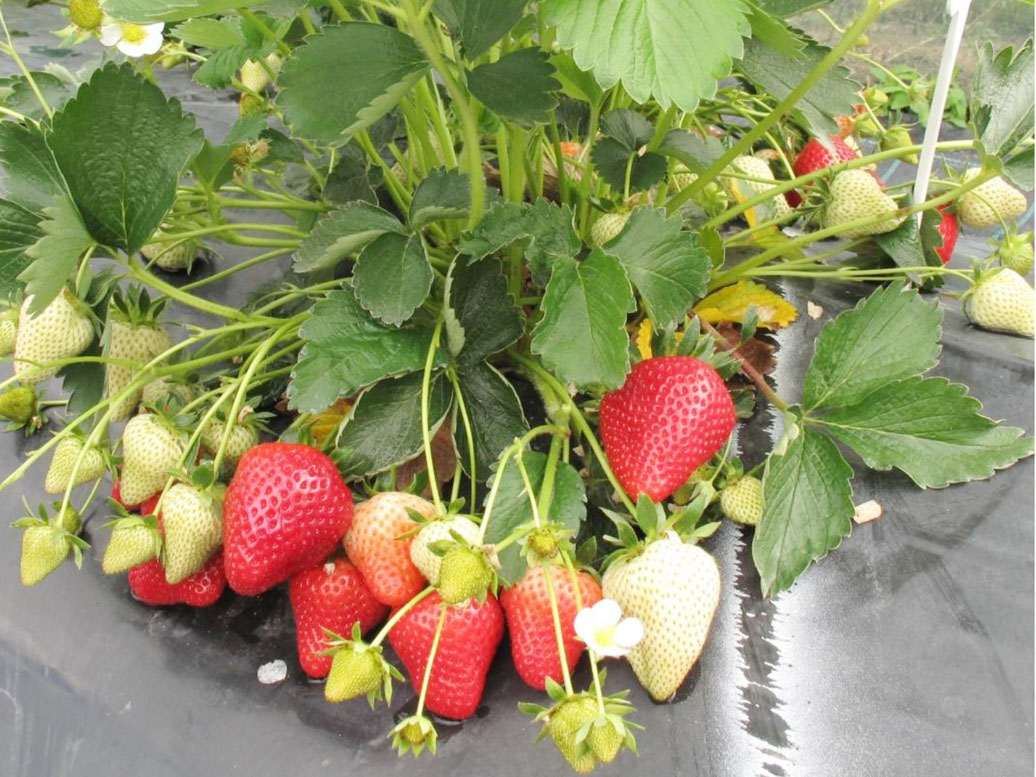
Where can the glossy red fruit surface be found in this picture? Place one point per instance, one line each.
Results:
(202, 589)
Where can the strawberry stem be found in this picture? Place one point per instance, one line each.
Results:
(556, 617)
(426, 435)
(398, 615)
(469, 438)
(527, 487)
(431, 660)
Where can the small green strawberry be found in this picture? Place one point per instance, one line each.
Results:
(414, 734)
(170, 253)
(712, 198)
(66, 454)
(19, 405)
(192, 527)
(1003, 301)
(358, 669)
(61, 330)
(133, 335)
(605, 739)
(608, 227)
(250, 105)
(150, 450)
(465, 574)
(46, 543)
(564, 724)
(989, 202)
(1014, 251)
(856, 194)
(160, 390)
(243, 436)
(134, 540)
(898, 136)
(742, 502)
(85, 14)
(443, 529)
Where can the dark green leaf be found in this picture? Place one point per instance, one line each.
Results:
(891, 334)
(210, 33)
(519, 86)
(774, 33)
(384, 428)
(55, 254)
(245, 129)
(669, 267)
(142, 11)
(19, 96)
(930, 429)
(392, 277)
(19, 230)
(494, 412)
(31, 176)
(512, 508)
(482, 317)
(1019, 169)
(672, 50)
(479, 24)
(778, 74)
(696, 153)
(345, 349)
(342, 232)
(1002, 97)
(577, 84)
(807, 509)
(442, 194)
(222, 66)
(381, 62)
(906, 248)
(628, 127)
(121, 147)
(582, 336)
(791, 7)
(353, 178)
(611, 159)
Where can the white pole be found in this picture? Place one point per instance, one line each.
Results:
(958, 11)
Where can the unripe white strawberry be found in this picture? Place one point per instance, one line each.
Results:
(608, 227)
(424, 559)
(160, 389)
(856, 194)
(242, 437)
(979, 207)
(255, 77)
(168, 253)
(8, 333)
(192, 525)
(742, 502)
(61, 330)
(150, 449)
(1014, 251)
(673, 588)
(138, 342)
(741, 189)
(1002, 301)
(66, 453)
(133, 541)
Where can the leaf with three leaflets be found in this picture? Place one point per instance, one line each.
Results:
(494, 412)
(392, 277)
(342, 232)
(519, 86)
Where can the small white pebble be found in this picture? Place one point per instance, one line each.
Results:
(868, 511)
(273, 672)
(814, 310)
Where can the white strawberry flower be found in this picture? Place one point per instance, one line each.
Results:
(133, 40)
(605, 631)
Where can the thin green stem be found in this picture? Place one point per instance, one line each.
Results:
(398, 615)
(426, 435)
(556, 618)
(431, 660)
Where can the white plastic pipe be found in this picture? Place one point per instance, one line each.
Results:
(958, 11)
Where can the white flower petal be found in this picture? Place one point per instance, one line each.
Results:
(607, 613)
(584, 624)
(154, 29)
(152, 43)
(130, 49)
(629, 632)
(110, 34)
(610, 651)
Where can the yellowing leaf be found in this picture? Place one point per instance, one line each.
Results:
(732, 302)
(644, 339)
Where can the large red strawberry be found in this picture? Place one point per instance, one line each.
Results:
(671, 415)
(285, 510)
(203, 588)
(815, 156)
(534, 646)
(333, 597)
(470, 635)
(949, 229)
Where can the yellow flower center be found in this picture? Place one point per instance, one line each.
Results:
(132, 33)
(605, 636)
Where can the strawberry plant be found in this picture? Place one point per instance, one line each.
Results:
(517, 297)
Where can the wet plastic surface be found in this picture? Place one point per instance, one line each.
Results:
(908, 651)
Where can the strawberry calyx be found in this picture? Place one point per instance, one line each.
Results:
(358, 668)
(654, 524)
(413, 734)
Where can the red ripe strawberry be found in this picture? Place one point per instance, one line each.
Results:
(949, 230)
(671, 415)
(534, 646)
(285, 510)
(203, 588)
(333, 597)
(470, 636)
(814, 156)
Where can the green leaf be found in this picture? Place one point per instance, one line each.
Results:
(777, 74)
(582, 336)
(905, 246)
(1002, 97)
(345, 349)
(672, 50)
(576, 83)
(668, 266)
(774, 33)
(54, 256)
(548, 228)
(626, 132)
(519, 86)
(1019, 169)
(121, 147)
(210, 33)
(20, 97)
(792, 7)
(353, 178)
(392, 277)
(222, 66)
(697, 153)
(442, 194)
(494, 412)
(245, 129)
(892, 334)
(807, 509)
(19, 229)
(31, 177)
(482, 317)
(512, 508)
(479, 24)
(384, 428)
(930, 429)
(342, 232)
(381, 62)
(144, 11)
